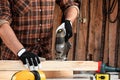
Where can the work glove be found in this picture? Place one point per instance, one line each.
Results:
(67, 27)
(30, 60)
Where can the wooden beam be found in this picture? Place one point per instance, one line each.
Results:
(52, 69)
(7, 75)
(52, 65)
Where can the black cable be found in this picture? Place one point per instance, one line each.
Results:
(111, 7)
(37, 75)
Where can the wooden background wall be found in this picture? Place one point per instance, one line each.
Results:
(94, 36)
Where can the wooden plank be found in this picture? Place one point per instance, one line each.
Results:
(52, 65)
(112, 36)
(81, 35)
(95, 26)
(48, 74)
(52, 69)
(97, 22)
(106, 48)
(7, 75)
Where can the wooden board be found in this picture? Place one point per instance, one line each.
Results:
(7, 75)
(52, 65)
(52, 69)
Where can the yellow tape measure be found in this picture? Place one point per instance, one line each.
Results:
(102, 76)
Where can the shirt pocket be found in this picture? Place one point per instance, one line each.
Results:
(20, 7)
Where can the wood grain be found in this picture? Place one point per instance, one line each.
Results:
(52, 69)
(52, 65)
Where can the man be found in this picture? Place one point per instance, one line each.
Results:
(26, 28)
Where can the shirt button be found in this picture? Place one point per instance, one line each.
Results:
(40, 10)
(38, 39)
(40, 24)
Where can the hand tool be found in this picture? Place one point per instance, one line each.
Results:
(61, 47)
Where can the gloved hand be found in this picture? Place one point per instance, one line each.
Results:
(30, 60)
(67, 27)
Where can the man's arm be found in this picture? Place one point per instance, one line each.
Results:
(71, 13)
(11, 41)
(6, 33)
(29, 59)
(70, 9)
(9, 38)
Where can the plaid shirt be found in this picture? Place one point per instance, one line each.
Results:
(32, 22)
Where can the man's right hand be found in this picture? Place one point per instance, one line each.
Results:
(30, 60)
(67, 27)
